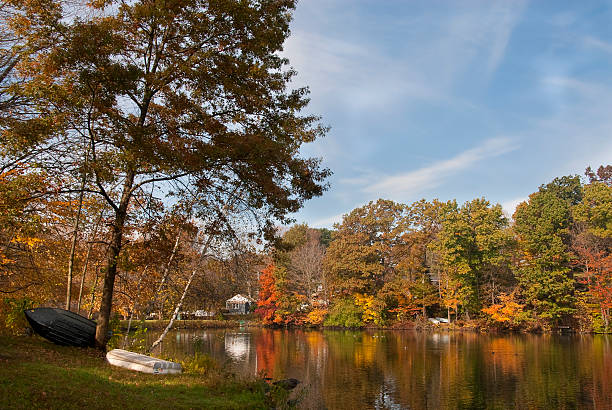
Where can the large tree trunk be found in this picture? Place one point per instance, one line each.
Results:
(109, 282)
(116, 243)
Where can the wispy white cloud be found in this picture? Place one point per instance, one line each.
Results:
(504, 17)
(433, 64)
(563, 19)
(595, 42)
(354, 68)
(582, 123)
(360, 76)
(327, 222)
(584, 88)
(406, 184)
(472, 32)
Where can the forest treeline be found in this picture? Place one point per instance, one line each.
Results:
(387, 263)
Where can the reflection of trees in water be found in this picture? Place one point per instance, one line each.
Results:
(353, 369)
(466, 370)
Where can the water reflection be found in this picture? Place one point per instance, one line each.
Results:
(400, 370)
(238, 345)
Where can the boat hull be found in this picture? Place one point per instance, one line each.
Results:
(141, 362)
(62, 327)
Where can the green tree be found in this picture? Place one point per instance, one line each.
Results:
(326, 236)
(542, 225)
(178, 96)
(595, 209)
(473, 248)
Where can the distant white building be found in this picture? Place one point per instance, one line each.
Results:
(204, 313)
(239, 304)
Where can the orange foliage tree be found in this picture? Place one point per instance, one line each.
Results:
(268, 295)
(597, 276)
(508, 312)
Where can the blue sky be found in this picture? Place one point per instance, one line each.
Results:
(452, 99)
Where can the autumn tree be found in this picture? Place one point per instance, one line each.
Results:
(603, 174)
(19, 226)
(359, 257)
(418, 261)
(301, 252)
(592, 243)
(267, 302)
(224, 276)
(306, 262)
(192, 93)
(362, 256)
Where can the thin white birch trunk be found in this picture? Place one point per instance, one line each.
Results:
(164, 278)
(180, 303)
(93, 294)
(73, 246)
(87, 261)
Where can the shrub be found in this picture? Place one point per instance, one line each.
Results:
(115, 326)
(344, 313)
(199, 363)
(316, 317)
(138, 340)
(12, 318)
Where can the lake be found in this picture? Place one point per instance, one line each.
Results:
(413, 370)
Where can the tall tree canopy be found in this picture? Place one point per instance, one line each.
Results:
(472, 246)
(360, 258)
(542, 225)
(189, 96)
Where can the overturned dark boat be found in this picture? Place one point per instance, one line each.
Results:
(62, 327)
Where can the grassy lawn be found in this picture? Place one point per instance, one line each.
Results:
(35, 373)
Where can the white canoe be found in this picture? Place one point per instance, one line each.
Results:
(142, 363)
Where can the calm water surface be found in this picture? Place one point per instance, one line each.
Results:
(411, 370)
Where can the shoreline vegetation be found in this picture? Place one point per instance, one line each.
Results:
(38, 374)
(420, 324)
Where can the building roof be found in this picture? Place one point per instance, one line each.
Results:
(240, 299)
